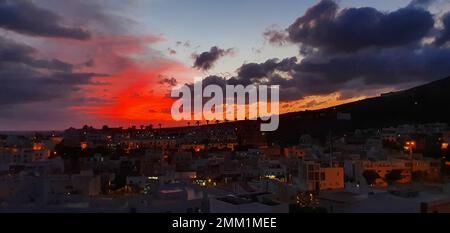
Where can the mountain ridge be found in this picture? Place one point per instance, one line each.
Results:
(426, 103)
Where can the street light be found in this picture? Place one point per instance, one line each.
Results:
(410, 145)
(444, 146)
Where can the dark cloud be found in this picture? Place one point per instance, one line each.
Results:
(93, 15)
(363, 71)
(13, 53)
(214, 79)
(354, 51)
(444, 36)
(209, 80)
(25, 78)
(25, 17)
(186, 44)
(172, 51)
(206, 60)
(167, 81)
(256, 73)
(326, 28)
(25, 86)
(276, 37)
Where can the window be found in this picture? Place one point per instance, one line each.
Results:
(311, 176)
(317, 176)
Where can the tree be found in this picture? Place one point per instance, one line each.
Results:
(306, 203)
(394, 176)
(160, 125)
(189, 123)
(197, 123)
(207, 122)
(419, 175)
(306, 199)
(370, 176)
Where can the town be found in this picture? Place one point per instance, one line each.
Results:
(225, 167)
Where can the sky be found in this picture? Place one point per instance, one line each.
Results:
(112, 62)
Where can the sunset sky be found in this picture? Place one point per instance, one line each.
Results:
(113, 62)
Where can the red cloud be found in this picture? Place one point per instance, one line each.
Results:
(132, 91)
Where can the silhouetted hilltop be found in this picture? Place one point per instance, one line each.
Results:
(423, 104)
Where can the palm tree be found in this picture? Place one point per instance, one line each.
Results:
(207, 122)
(189, 123)
(217, 121)
(197, 123)
(160, 125)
